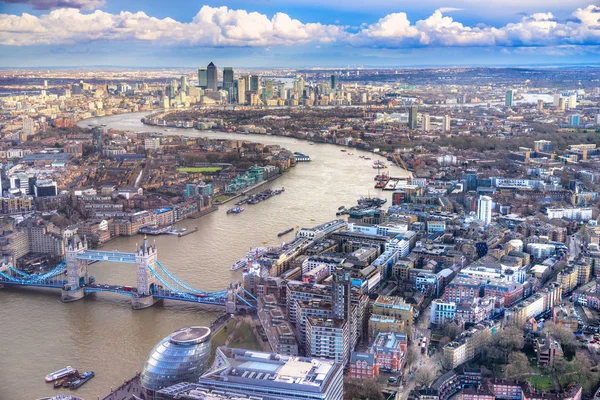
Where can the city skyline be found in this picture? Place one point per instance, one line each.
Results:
(296, 34)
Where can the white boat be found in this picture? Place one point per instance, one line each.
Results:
(61, 373)
(239, 264)
(256, 253)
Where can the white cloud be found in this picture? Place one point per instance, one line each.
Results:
(540, 29)
(222, 27)
(210, 27)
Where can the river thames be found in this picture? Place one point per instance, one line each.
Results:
(40, 334)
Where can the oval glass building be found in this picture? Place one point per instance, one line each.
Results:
(180, 357)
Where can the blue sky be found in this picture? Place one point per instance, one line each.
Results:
(297, 33)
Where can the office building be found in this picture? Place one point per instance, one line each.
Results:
(412, 117)
(45, 188)
(574, 120)
(299, 86)
(212, 77)
(484, 210)
(202, 78)
(180, 357)
(254, 374)
(23, 182)
(254, 83)
(509, 98)
(396, 307)
(334, 82)
(542, 145)
(97, 139)
(240, 96)
(172, 88)
(228, 82)
(442, 311)
(183, 84)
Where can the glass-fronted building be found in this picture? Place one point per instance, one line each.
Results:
(180, 357)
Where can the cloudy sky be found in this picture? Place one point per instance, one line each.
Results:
(262, 33)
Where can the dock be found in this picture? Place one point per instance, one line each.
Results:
(182, 233)
(391, 185)
(148, 230)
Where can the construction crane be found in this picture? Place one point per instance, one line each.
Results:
(399, 161)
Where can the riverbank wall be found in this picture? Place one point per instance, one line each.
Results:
(249, 189)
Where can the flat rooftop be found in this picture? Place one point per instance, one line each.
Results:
(239, 366)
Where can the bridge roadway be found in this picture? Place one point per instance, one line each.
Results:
(112, 256)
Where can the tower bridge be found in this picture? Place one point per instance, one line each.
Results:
(153, 281)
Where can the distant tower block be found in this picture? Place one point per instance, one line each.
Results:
(145, 256)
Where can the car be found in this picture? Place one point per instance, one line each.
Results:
(392, 379)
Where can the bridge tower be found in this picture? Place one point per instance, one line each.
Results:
(77, 274)
(145, 256)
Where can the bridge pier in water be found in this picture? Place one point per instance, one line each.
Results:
(145, 257)
(77, 274)
(139, 303)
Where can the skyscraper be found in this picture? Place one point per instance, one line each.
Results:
(509, 98)
(184, 84)
(97, 140)
(228, 82)
(173, 89)
(254, 83)
(227, 78)
(333, 82)
(212, 77)
(484, 210)
(241, 90)
(412, 117)
(202, 78)
(299, 85)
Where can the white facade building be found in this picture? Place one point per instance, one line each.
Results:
(484, 210)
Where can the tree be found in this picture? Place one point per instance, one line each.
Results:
(411, 356)
(452, 330)
(425, 376)
(357, 389)
(518, 365)
(505, 342)
(564, 335)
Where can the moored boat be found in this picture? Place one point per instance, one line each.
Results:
(77, 383)
(61, 373)
(285, 232)
(239, 264)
